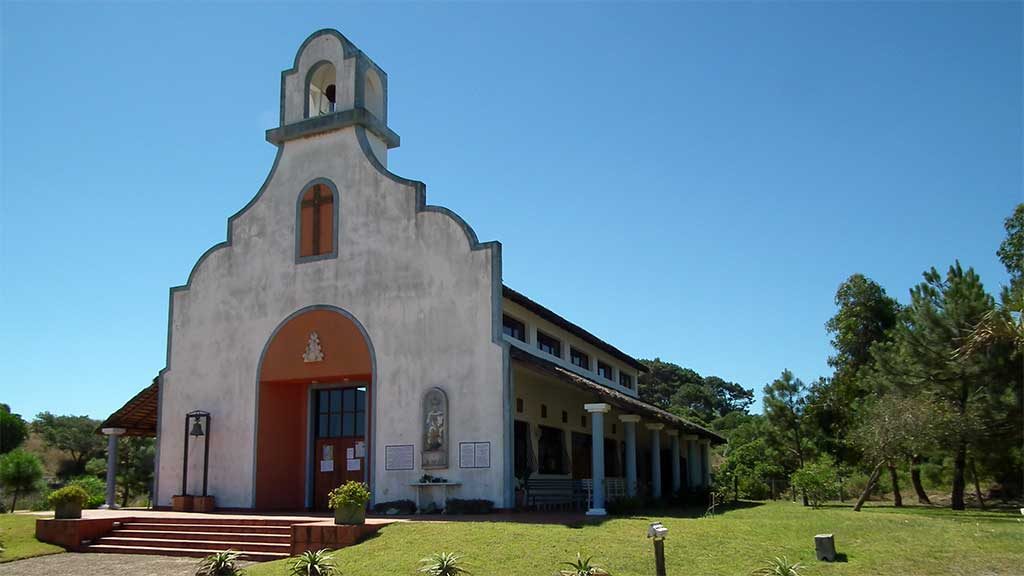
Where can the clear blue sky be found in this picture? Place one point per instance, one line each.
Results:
(688, 181)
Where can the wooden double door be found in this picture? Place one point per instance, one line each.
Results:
(340, 449)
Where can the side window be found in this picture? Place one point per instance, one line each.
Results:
(316, 221)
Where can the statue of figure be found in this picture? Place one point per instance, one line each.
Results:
(435, 429)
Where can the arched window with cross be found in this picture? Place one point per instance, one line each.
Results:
(316, 221)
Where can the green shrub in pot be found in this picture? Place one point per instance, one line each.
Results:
(67, 502)
(349, 502)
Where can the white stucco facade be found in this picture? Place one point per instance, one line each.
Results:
(416, 280)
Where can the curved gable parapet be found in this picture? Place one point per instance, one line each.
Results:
(231, 220)
(421, 194)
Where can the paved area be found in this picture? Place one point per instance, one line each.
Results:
(71, 564)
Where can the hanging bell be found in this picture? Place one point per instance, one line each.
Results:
(197, 428)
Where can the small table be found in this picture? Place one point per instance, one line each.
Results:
(419, 491)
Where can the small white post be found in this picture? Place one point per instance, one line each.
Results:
(597, 412)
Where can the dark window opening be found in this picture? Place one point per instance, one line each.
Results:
(341, 413)
(612, 465)
(519, 404)
(551, 451)
(579, 358)
(331, 97)
(514, 328)
(604, 370)
(565, 417)
(625, 380)
(548, 344)
(543, 411)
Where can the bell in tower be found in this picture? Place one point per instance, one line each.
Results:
(332, 86)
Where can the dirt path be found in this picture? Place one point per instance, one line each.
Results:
(106, 564)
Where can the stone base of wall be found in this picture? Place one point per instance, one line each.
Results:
(328, 535)
(70, 533)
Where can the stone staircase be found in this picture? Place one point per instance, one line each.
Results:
(259, 540)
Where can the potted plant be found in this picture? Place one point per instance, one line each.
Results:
(349, 502)
(67, 502)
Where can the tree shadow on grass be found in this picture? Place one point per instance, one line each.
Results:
(989, 515)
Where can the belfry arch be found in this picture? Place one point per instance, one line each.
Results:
(314, 404)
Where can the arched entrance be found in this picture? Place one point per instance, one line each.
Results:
(313, 414)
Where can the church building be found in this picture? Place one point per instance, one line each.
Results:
(347, 329)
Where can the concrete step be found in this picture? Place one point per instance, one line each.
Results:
(230, 528)
(241, 546)
(279, 538)
(186, 552)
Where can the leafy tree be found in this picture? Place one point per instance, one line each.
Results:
(1011, 250)
(76, 435)
(13, 429)
(784, 407)
(20, 473)
(865, 314)
(895, 427)
(690, 395)
(663, 380)
(942, 311)
(816, 480)
(135, 469)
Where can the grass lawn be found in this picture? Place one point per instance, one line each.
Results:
(18, 538)
(877, 540)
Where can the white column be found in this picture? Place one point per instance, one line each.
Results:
(705, 458)
(629, 422)
(112, 436)
(677, 482)
(692, 462)
(655, 459)
(597, 412)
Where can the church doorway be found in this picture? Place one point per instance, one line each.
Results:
(340, 440)
(314, 410)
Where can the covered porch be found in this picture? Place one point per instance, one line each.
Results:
(577, 442)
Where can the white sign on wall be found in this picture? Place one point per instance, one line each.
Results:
(474, 454)
(399, 457)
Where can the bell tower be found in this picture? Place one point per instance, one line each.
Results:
(333, 85)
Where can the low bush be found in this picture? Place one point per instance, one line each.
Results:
(350, 493)
(468, 506)
(582, 567)
(94, 487)
(443, 564)
(404, 507)
(313, 563)
(817, 481)
(220, 564)
(779, 567)
(67, 495)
